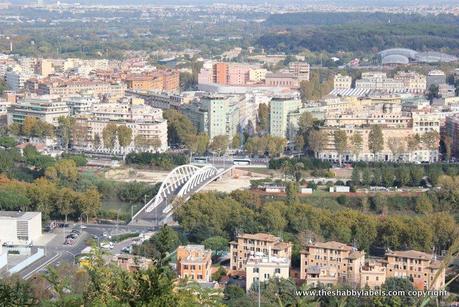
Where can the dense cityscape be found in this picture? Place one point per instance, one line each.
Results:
(196, 153)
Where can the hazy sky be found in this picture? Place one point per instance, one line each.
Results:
(336, 2)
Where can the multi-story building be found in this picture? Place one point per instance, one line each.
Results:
(380, 82)
(161, 80)
(215, 115)
(300, 69)
(280, 108)
(145, 122)
(220, 73)
(70, 87)
(45, 108)
(194, 262)
(257, 74)
(395, 147)
(435, 77)
(452, 130)
(159, 99)
(330, 263)
(16, 79)
(413, 82)
(261, 268)
(198, 115)
(44, 67)
(283, 79)
(341, 82)
(420, 267)
(81, 104)
(247, 245)
(20, 227)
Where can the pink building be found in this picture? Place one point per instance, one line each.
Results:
(238, 74)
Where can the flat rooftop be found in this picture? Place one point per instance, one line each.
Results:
(18, 215)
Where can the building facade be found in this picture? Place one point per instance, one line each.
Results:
(247, 245)
(20, 227)
(46, 109)
(194, 262)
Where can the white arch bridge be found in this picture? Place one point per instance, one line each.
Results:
(183, 181)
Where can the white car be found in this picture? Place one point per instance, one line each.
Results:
(83, 227)
(107, 245)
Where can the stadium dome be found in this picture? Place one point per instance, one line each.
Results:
(395, 59)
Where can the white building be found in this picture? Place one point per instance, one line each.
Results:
(81, 104)
(45, 108)
(143, 120)
(261, 268)
(20, 227)
(341, 82)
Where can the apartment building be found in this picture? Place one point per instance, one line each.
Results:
(330, 263)
(144, 121)
(341, 82)
(45, 108)
(220, 73)
(162, 80)
(379, 81)
(333, 262)
(247, 245)
(420, 267)
(413, 82)
(257, 74)
(81, 104)
(194, 262)
(394, 149)
(69, 87)
(280, 108)
(301, 70)
(215, 114)
(261, 268)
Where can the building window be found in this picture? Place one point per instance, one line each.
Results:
(256, 270)
(277, 270)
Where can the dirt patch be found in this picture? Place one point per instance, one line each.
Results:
(131, 174)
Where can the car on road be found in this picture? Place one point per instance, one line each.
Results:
(83, 227)
(107, 245)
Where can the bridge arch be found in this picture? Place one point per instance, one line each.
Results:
(202, 175)
(174, 180)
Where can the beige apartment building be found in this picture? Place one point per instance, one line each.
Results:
(300, 69)
(413, 82)
(395, 146)
(420, 267)
(341, 82)
(144, 121)
(333, 262)
(69, 87)
(247, 245)
(330, 263)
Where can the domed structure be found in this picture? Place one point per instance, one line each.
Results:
(395, 59)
